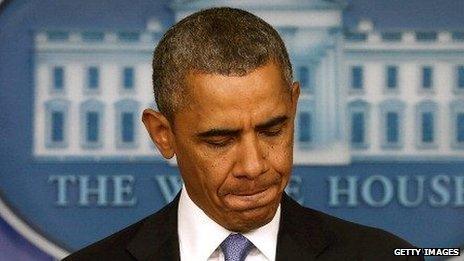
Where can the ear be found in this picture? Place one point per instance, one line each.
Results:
(160, 131)
(295, 95)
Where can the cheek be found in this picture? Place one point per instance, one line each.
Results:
(281, 162)
(281, 155)
(214, 169)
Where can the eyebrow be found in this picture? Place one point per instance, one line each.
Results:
(235, 132)
(218, 132)
(272, 122)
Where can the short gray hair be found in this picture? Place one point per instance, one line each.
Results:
(224, 40)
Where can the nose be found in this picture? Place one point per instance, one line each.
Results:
(251, 159)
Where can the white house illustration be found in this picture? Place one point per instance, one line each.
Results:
(367, 95)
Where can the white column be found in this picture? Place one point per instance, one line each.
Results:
(111, 78)
(321, 102)
(75, 76)
(42, 86)
(341, 91)
(330, 98)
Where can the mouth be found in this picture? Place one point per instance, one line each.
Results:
(246, 200)
(251, 194)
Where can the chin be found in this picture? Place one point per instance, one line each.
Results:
(248, 220)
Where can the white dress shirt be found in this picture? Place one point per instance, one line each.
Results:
(200, 236)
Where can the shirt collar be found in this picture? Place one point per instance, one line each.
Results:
(265, 238)
(200, 236)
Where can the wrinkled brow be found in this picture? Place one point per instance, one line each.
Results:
(272, 122)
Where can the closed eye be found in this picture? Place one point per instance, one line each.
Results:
(219, 143)
(272, 133)
(273, 127)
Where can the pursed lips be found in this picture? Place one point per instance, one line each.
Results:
(252, 196)
(249, 193)
(260, 196)
(243, 191)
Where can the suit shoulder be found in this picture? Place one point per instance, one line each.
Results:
(347, 230)
(368, 242)
(109, 247)
(114, 247)
(345, 238)
(338, 229)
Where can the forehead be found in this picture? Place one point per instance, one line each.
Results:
(258, 82)
(221, 99)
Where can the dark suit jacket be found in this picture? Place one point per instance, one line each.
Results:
(304, 234)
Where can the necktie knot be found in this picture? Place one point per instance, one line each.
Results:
(236, 247)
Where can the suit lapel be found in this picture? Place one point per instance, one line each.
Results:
(157, 238)
(302, 234)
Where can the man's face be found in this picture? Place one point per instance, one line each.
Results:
(234, 144)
